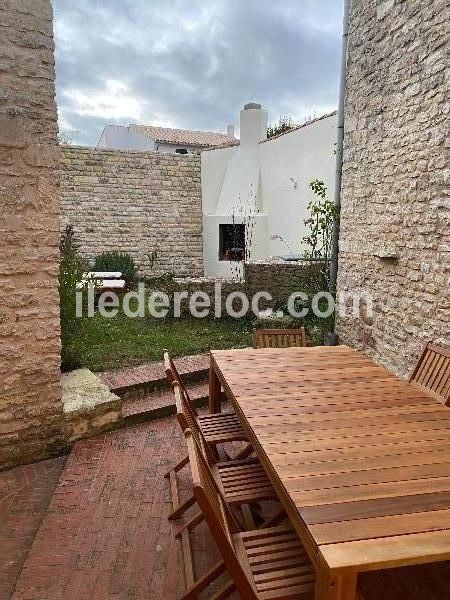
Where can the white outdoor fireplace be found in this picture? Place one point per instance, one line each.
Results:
(235, 226)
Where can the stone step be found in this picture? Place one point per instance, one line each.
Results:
(144, 379)
(159, 403)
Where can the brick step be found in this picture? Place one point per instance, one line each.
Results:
(136, 381)
(159, 403)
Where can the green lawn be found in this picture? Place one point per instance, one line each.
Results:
(105, 344)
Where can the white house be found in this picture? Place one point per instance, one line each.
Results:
(255, 195)
(163, 139)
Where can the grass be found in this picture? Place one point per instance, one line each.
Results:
(105, 344)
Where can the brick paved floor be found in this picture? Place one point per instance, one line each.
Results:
(25, 493)
(106, 534)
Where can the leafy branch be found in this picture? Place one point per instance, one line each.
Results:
(322, 213)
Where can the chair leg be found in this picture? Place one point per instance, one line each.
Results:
(191, 524)
(245, 453)
(182, 508)
(249, 519)
(196, 588)
(274, 520)
(224, 592)
(178, 509)
(178, 467)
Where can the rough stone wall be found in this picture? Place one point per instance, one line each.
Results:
(394, 201)
(30, 397)
(281, 279)
(135, 202)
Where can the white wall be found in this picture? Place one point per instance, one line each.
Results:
(288, 165)
(278, 172)
(118, 137)
(214, 167)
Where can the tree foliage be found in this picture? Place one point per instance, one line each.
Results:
(322, 213)
(285, 123)
(72, 268)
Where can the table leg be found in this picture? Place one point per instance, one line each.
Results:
(215, 390)
(332, 585)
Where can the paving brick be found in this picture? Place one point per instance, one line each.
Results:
(25, 493)
(106, 534)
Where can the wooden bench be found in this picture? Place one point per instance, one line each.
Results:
(279, 338)
(432, 371)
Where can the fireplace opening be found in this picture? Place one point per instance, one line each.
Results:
(232, 242)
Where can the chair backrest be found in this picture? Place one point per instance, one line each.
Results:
(173, 377)
(279, 338)
(218, 516)
(188, 420)
(432, 371)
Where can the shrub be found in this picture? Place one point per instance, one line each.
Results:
(71, 270)
(116, 261)
(274, 322)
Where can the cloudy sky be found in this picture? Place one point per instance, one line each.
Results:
(193, 63)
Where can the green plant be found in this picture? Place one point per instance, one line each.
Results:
(71, 271)
(116, 261)
(285, 123)
(152, 259)
(322, 213)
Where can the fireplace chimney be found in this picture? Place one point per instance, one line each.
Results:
(253, 124)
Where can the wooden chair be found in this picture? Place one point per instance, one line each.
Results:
(279, 338)
(218, 428)
(214, 430)
(263, 564)
(432, 371)
(243, 481)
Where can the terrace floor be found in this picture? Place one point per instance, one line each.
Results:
(105, 533)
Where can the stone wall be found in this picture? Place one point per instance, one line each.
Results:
(282, 278)
(135, 202)
(30, 397)
(395, 229)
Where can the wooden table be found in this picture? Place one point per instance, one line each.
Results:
(360, 458)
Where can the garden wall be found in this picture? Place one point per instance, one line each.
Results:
(30, 396)
(135, 202)
(395, 224)
(282, 278)
(279, 278)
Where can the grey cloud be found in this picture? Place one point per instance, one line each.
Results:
(194, 64)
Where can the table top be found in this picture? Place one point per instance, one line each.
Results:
(359, 457)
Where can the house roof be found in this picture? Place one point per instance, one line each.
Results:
(187, 137)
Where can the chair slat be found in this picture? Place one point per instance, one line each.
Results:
(279, 338)
(258, 561)
(432, 371)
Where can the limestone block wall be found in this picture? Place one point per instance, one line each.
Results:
(395, 227)
(135, 202)
(30, 398)
(282, 278)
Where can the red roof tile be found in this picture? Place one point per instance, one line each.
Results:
(199, 139)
